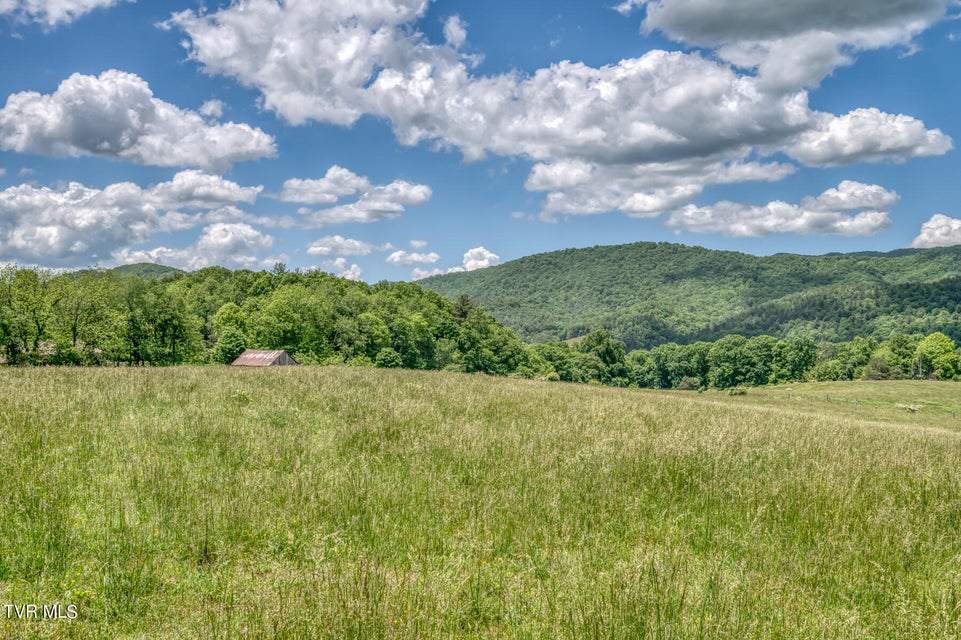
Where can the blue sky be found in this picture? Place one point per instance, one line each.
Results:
(392, 139)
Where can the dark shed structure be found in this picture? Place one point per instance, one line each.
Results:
(256, 358)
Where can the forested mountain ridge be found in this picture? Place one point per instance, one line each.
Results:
(648, 294)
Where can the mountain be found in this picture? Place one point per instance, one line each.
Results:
(652, 293)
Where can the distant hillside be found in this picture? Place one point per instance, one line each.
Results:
(651, 293)
(146, 270)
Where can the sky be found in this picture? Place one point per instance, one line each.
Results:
(396, 139)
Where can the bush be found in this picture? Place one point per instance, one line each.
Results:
(388, 358)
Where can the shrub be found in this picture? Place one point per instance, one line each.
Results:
(388, 358)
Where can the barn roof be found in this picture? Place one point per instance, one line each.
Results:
(257, 358)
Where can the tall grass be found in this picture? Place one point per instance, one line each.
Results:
(357, 503)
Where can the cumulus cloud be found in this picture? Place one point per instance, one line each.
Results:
(640, 191)
(340, 246)
(51, 13)
(658, 106)
(342, 269)
(80, 225)
(851, 209)
(662, 126)
(854, 138)
(374, 202)
(193, 189)
(479, 258)
(77, 225)
(378, 203)
(476, 258)
(418, 244)
(711, 22)
(939, 231)
(790, 43)
(420, 274)
(455, 32)
(115, 115)
(219, 244)
(406, 259)
(337, 183)
(212, 109)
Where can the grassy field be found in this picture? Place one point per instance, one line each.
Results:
(357, 503)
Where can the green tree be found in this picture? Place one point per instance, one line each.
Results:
(230, 344)
(609, 352)
(935, 356)
(729, 362)
(32, 301)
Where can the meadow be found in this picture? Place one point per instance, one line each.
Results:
(336, 502)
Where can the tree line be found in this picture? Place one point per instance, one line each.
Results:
(97, 317)
(101, 317)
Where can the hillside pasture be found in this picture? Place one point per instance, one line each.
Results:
(335, 502)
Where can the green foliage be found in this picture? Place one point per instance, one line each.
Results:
(826, 371)
(387, 358)
(648, 294)
(146, 271)
(212, 315)
(935, 356)
(229, 346)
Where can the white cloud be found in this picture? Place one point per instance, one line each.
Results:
(659, 105)
(195, 189)
(420, 274)
(115, 115)
(219, 244)
(337, 183)
(791, 43)
(378, 203)
(480, 258)
(867, 135)
(641, 191)
(852, 209)
(476, 258)
(212, 109)
(455, 32)
(3, 172)
(711, 22)
(939, 231)
(643, 135)
(310, 59)
(51, 13)
(74, 226)
(340, 246)
(79, 225)
(406, 259)
(850, 195)
(341, 269)
(418, 244)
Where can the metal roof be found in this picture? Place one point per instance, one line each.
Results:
(256, 358)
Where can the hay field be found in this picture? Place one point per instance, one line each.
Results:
(321, 502)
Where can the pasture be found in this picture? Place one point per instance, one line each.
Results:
(334, 502)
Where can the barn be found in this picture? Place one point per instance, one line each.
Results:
(257, 358)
